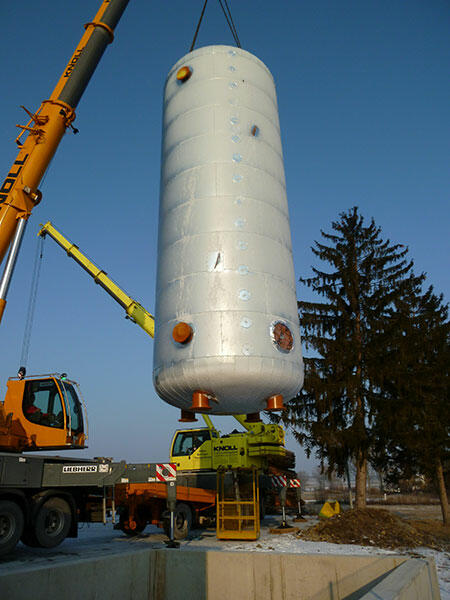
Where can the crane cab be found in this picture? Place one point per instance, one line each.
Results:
(42, 413)
(192, 449)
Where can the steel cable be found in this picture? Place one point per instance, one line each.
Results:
(231, 25)
(198, 27)
(32, 301)
(228, 16)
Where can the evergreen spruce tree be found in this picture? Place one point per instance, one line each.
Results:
(335, 412)
(413, 418)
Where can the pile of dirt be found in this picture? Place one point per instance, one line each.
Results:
(377, 527)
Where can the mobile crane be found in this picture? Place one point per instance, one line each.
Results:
(42, 498)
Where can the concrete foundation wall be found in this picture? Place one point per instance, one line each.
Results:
(197, 575)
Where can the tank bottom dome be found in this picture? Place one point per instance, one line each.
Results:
(244, 386)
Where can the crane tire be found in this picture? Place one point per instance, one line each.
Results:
(52, 523)
(140, 522)
(28, 537)
(182, 522)
(11, 525)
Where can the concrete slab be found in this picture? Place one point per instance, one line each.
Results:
(415, 579)
(162, 574)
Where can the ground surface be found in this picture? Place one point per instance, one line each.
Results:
(99, 539)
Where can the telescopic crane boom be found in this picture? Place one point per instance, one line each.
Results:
(134, 310)
(19, 192)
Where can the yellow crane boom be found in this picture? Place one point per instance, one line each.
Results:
(135, 311)
(19, 191)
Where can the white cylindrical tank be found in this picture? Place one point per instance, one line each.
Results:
(227, 330)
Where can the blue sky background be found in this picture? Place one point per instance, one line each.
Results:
(364, 96)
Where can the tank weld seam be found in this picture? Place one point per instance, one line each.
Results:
(286, 359)
(201, 52)
(263, 273)
(218, 49)
(275, 124)
(170, 211)
(219, 77)
(165, 182)
(270, 316)
(198, 82)
(187, 112)
(202, 234)
(166, 153)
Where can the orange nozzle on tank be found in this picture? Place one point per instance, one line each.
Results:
(275, 402)
(200, 402)
(182, 333)
(187, 416)
(184, 74)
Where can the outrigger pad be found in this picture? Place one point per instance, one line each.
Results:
(283, 529)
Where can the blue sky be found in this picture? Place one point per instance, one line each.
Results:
(363, 93)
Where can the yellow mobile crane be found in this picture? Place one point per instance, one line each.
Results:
(200, 450)
(43, 498)
(19, 192)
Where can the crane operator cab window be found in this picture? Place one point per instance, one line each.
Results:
(75, 411)
(42, 403)
(187, 442)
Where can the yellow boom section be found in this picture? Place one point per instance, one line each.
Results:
(134, 310)
(40, 137)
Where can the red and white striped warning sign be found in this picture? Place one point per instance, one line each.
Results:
(279, 480)
(294, 483)
(166, 472)
(283, 481)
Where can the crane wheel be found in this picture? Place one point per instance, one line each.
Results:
(51, 525)
(135, 527)
(11, 525)
(182, 522)
(136, 530)
(28, 538)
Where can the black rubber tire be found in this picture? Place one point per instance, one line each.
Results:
(29, 538)
(132, 532)
(141, 524)
(182, 522)
(11, 525)
(52, 523)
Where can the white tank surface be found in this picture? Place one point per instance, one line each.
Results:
(227, 330)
